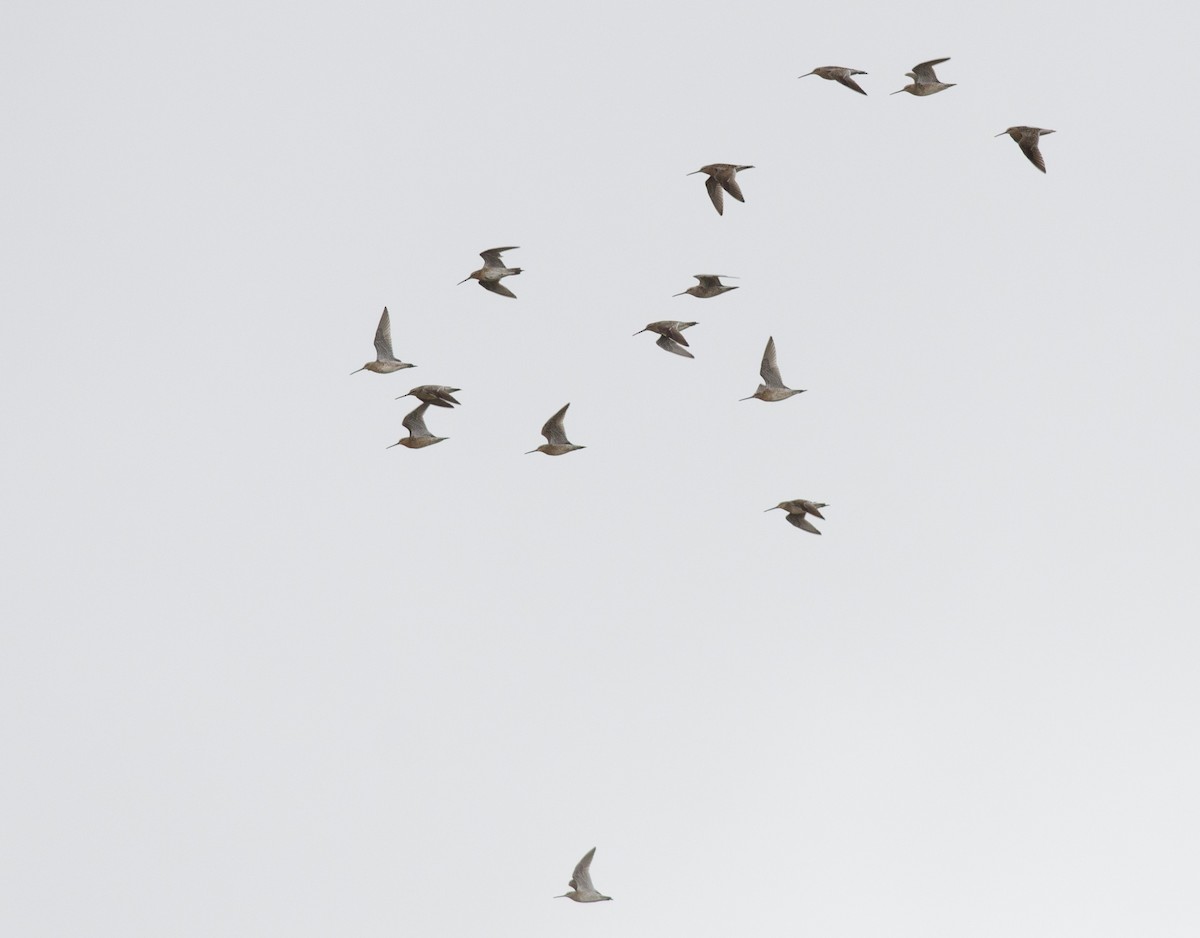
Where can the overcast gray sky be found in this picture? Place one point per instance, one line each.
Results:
(264, 676)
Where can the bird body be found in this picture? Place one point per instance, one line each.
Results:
(797, 508)
(556, 443)
(582, 889)
(710, 285)
(418, 434)
(436, 394)
(722, 176)
(925, 82)
(772, 388)
(670, 332)
(493, 271)
(1027, 139)
(385, 362)
(838, 74)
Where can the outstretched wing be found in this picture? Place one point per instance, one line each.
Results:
(581, 879)
(497, 287)
(668, 344)
(554, 433)
(770, 367)
(714, 193)
(674, 330)
(923, 73)
(414, 422)
(491, 257)
(802, 523)
(731, 186)
(1028, 143)
(850, 83)
(383, 339)
(813, 509)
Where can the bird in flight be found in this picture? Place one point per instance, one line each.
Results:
(582, 889)
(772, 388)
(925, 82)
(385, 362)
(557, 444)
(1027, 140)
(797, 508)
(436, 394)
(670, 332)
(838, 74)
(722, 176)
(418, 434)
(493, 271)
(710, 285)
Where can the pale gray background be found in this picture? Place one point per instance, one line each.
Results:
(262, 676)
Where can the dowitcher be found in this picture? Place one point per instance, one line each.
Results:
(710, 285)
(670, 332)
(385, 362)
(1027, 140)
(436, 394)
(797, 508)
(838, 74)
(418, 434)
(772, 388)
(582, 889)
(722, 176)
(493, 271)
(556, 445)
(924, 80)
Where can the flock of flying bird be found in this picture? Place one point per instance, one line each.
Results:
(722, 179)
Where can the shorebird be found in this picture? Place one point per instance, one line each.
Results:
(797, 508)
(710, 285)
(556, 445)
(385, 362)
(582, 889)
(924, 80)
(493, 271)
(722, 176)
(436, 394)
(670, 332)
(1027, 140)
(418, 434)
(838, 74)
(772, 388)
